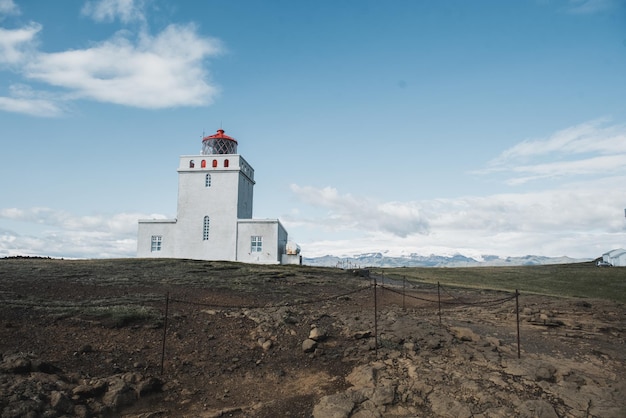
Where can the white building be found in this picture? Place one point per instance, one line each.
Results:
(616, 257)
(214, 219)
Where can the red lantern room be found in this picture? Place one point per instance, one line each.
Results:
(219, 143)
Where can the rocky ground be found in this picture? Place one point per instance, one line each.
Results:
(86, 339)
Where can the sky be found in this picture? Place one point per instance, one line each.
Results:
(430, 127)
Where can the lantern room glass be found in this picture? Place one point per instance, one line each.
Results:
(219, 146)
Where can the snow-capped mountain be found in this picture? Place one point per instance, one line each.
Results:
(416, 260)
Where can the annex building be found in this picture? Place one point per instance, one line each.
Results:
(214, 213)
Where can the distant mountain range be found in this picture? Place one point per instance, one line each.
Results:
(416, 260)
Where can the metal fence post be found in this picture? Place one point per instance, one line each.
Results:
(375, 318)
(439, 301)
(519, 355)
(403, 291)
(167, 303)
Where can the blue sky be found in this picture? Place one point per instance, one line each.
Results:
(483, 127)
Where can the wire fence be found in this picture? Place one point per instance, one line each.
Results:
(393, 287)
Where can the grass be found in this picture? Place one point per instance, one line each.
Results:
(134, 277)
(122, 315)
(581, 280)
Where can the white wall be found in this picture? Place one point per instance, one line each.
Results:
(221, 201)
(228, 202)
(266, 228)
(166, 228)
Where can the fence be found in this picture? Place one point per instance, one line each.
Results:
(377, 286)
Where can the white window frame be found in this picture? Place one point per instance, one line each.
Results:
(156, 243)
(206, 223)
(256, 243)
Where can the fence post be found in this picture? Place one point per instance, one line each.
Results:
(375, 318)
(167, 303)
(519, 355)
(403, 291)
(439, 301)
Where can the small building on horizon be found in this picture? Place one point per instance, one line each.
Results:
(214, 213)
(616, 258)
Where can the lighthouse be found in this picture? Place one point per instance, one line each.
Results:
(214, 213)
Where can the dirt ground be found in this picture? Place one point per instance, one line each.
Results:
(232, 341)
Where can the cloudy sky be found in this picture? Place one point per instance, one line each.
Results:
(482, 127)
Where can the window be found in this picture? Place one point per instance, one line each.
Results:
(256, 244)
(207, 180)
(214, 163)
(205, 230)
(155, 244)
(225, 163)
(191, 164)
(203, 164)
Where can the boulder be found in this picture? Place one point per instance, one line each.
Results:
(309, 345)
(536, 409)
(118, 394)
(60, 402)
(339, 405)
(447, 407)
(16, 364)
(318, 334)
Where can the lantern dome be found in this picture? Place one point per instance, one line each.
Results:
(220, 143)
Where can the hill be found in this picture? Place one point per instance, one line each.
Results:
(182, 338)
(433, 260)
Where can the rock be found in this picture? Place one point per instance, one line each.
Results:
(119, 394)
(447, 407)
(362, 376)
(148, 386)
(309, 345)
(81, 411)
(384, 395)
(545, 372)
(334, 406)
(44, 367)
(318, 334)
(366, 413)
(411, 347)
(60, 402)
(17, 364)
(88, 391)
(362, 334)
(87, 348)
(464, 334)
(536, 409)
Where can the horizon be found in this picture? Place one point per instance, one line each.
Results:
(410, 127)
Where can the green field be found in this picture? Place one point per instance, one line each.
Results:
(582, 280)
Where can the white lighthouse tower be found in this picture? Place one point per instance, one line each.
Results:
(214, 220)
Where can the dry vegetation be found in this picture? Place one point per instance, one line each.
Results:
(234, 340)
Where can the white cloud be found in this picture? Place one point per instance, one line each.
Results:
(33, 107)
(587, 137)
(108, 10)
(124, 223)
(24, 100)
(580, 216)
(158, 72)
(16, 45)
(8, 7)
(349, 212)
(63, 234)
(591, 6)
(589, 149)
(141, 70)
